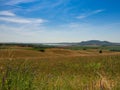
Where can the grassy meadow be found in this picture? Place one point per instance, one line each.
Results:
(26, 68)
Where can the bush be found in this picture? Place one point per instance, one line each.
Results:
(42, 50)
(100, 51)
(84, 49)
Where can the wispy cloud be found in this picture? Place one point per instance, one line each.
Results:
(7, 13)
(22, 20)
(7, 16)
(15, 2)
(47, 5)
(85, 15)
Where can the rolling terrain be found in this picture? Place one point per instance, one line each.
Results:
(59, 68)
(31, 53)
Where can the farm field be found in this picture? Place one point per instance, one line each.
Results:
(23, 68)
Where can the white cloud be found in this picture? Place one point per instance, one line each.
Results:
(21, 20)
(85, 15)
(7, 13)
(7, 16)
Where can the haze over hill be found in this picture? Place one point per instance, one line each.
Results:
(83, 43)
(97, 42)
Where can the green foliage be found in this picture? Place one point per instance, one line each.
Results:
(41, 48)
(93, 66)
(111, 48)
(115, 49)
(15, 77)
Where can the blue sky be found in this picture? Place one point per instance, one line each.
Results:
(42, 21)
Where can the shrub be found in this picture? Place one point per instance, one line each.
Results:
(42, 50)
(84, 49)
(100, 51)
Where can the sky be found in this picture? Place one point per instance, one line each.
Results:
(49, 21)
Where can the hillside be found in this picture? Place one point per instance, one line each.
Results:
(97, 42)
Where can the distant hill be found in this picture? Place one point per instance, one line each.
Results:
(83, 43)
(97, 42)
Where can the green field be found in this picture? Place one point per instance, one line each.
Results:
(60, 72)
(117, 48)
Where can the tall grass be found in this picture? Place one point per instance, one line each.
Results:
(76, 73)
